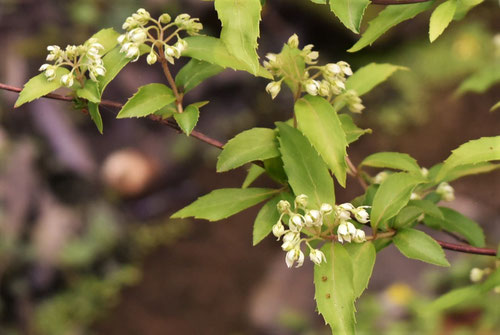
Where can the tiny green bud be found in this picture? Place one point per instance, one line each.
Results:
(293, 41)
(165, 18)
(283, 206)
(152, 58)
(273, 88)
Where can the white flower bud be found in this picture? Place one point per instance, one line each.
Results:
(296, 222)
(273, 88)
(347, 206)
(361, 215)
(278, 229)
(138, 35)
(316, 216)
(351, 229)
(295, 255)
(290, 240)
(424, 172)
(312, 87)
(356, 108)
(343, 233)
(283, 206)
(165, 18)
(345, 67)
(100, 70)
(309, 220)
(67, 80)
(43, 67)
(324, 88)
(414, 196)
(326, 209)
(301, 200)
(317, 256)
(181, 46)
(332, 69)
(50, 73)
(311, 57)
(121, 38)
(380, 177)
(152, 58)
(359, 236)
(476, 275)
(133, 51)
(293, 41)
(446, 192)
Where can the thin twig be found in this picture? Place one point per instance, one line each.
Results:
(213, 142)
(171, 81)
(355, 173)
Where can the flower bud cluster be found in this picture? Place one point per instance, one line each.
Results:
(142, 29)
(346, 231)
(79, 58)
(446, 192)
(326, 81)
(299, 218)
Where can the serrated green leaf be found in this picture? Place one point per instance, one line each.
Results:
(189, 118)
(477, 151)
(250, 145)
(352, 132)
(213, 50)
(482, 80)
(306, 171)
(350, 12)
(113, 62)
(363, 258)
(441, 18)
(267, 217)
(416, 244)
(254, 172)
(455, 222)
(414, 210)
(388, 18)
(148, 99)
(90, 92)
(370, 76)
(38, 86)
(222, 203)
(240, 29)
(428, 208)
(334, 291)
(107, 38)
(194, 73)
(292, 63)
(319, 122)
(464, 6)
(95, 115)
(392, 195)
(392, 160)
(461, 171)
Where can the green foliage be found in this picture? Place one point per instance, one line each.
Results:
(240, 29)
(352, 132)
(370, 76)
(388, 18)
(306, 171)
(251, 145)
(254, 172)
(416, 244)
(350, 12)
(194, 73)
(188, 119)
(363, 257)
(39, 86)
(148, 99)
(222, 203)
(392, 160)
(392, 195)
(334, 289)
(464, 6)
(267, 217)
(107, 38)
(95, 115)
(114, 62)
(481, 80)
(319, 122)
(441, 18)
(90, 91)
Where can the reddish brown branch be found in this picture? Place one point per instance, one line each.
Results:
(396, 2)
(204, 138)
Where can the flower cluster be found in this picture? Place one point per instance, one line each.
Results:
(298, 219)
(446, 192)
(327, 81)
(142, 29)
(80, 58)
(346, 231)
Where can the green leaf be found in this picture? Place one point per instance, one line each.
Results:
(334, 291)
(370, 76)
(254, 172)
(495, 107)
(321, 2)
(455, 298)
(464, 6)
(222, 203)
(461, 171)
(412, 212)
(441, 18)
(350, 12)
(352, 132)
(213, 50)
(114, 62)
(95, 115)
(107, 38)
(388, 18)
(428, 208)
(194, 73)
(482, 80)
(292, 63)
(250, 145)
(189, 118)
(90, 92)
(392, 160)
(455, 222)
(392, 195)
(416, 244)
(319, 122)
(148, 99)
(363, 258)
(275, 170)
(477, 151)
(306, 171)
(39, 86)
(267, 217)
(240, 29)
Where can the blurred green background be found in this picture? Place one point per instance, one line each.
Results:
(86, 244)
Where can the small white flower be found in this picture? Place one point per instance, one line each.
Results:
(67, 80)
(278, 229)
(380, 177)
(50, 73)
(359, 236)
(290, 240)
(283, 206)
(301, 200)
(324, 88)
(424, 172)
(152, 58)
(356, 108)
(311, 57)
(296, 222)
(446, 192)
(476, 275)
(121, 38)
(293, 41)
(361, 215)
(347, 206)
(43, 67)
(317, 256)
(332, 69)
(343, 233)
(273, 88)
(345, 67)
(294, 255)
(138, 35)
(326, 209)
(312, 87)
(316, 216)
(100, 70)
(309, 220)
(133, 51)
(414, 196)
